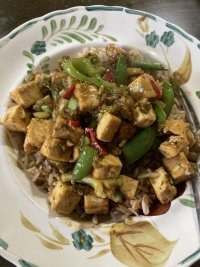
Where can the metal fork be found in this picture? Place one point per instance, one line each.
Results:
(195, 125)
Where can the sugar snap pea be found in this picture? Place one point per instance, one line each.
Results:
(139, 144)
(145, 64)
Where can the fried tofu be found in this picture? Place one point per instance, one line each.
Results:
(27, 94)
(36, 134)
(164, 191)
(191, 139)
(62, 130)
(87, 96)
(177, 127)
(58, 78)
(63, 198)
(173, 146)
(144, 120)
(128, 186)
(56, 149)
(95, 205)
(142, 87)
(107, 167)
(179, 167)
(16, 118)
(107, 127)
(126, 131)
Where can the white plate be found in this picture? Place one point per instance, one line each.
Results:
(29, 235)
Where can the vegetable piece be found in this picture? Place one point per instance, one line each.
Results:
(147, 65)
(167, 97)
(82, 70)
(46, 108)
(93, 123)
(116, 196)
(139, 144)
(102, 188)
(156, 88)
(109, 76)
(69, 91)
(42, 115)
(121, 72)
(72, 104)
(73, 123)
(84, 163)
(160, 113)
(97, 145)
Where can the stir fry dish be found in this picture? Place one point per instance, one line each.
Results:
(103, 133)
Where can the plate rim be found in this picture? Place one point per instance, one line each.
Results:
(10, 256)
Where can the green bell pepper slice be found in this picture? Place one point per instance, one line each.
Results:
(139, 144)
(82, 70)
(84, 163)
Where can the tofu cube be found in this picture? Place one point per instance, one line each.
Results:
(142, 87)
(87, 96)
(56, 149)
(177, 127)
(36, 134)
(76, 153)
(126, 131)
(191, 139)
(58, 78)
(179, 167)
(62, 130)
(164, 191)
(107, 127)
(63, 198)
(27, 94)
(143, 119)
(128, 186)
(16, 119)
(107, 167)
(95, 205)
(173, 146)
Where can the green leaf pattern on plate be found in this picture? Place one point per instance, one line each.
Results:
(3, 244)
(24, 263)
(77, 29)
(187, 202)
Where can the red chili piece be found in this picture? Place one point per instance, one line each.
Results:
(91, 132)
(109, 76)
(74, 123)
(69, 91)
(156, 88)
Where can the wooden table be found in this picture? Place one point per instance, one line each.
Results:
(184, 13)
